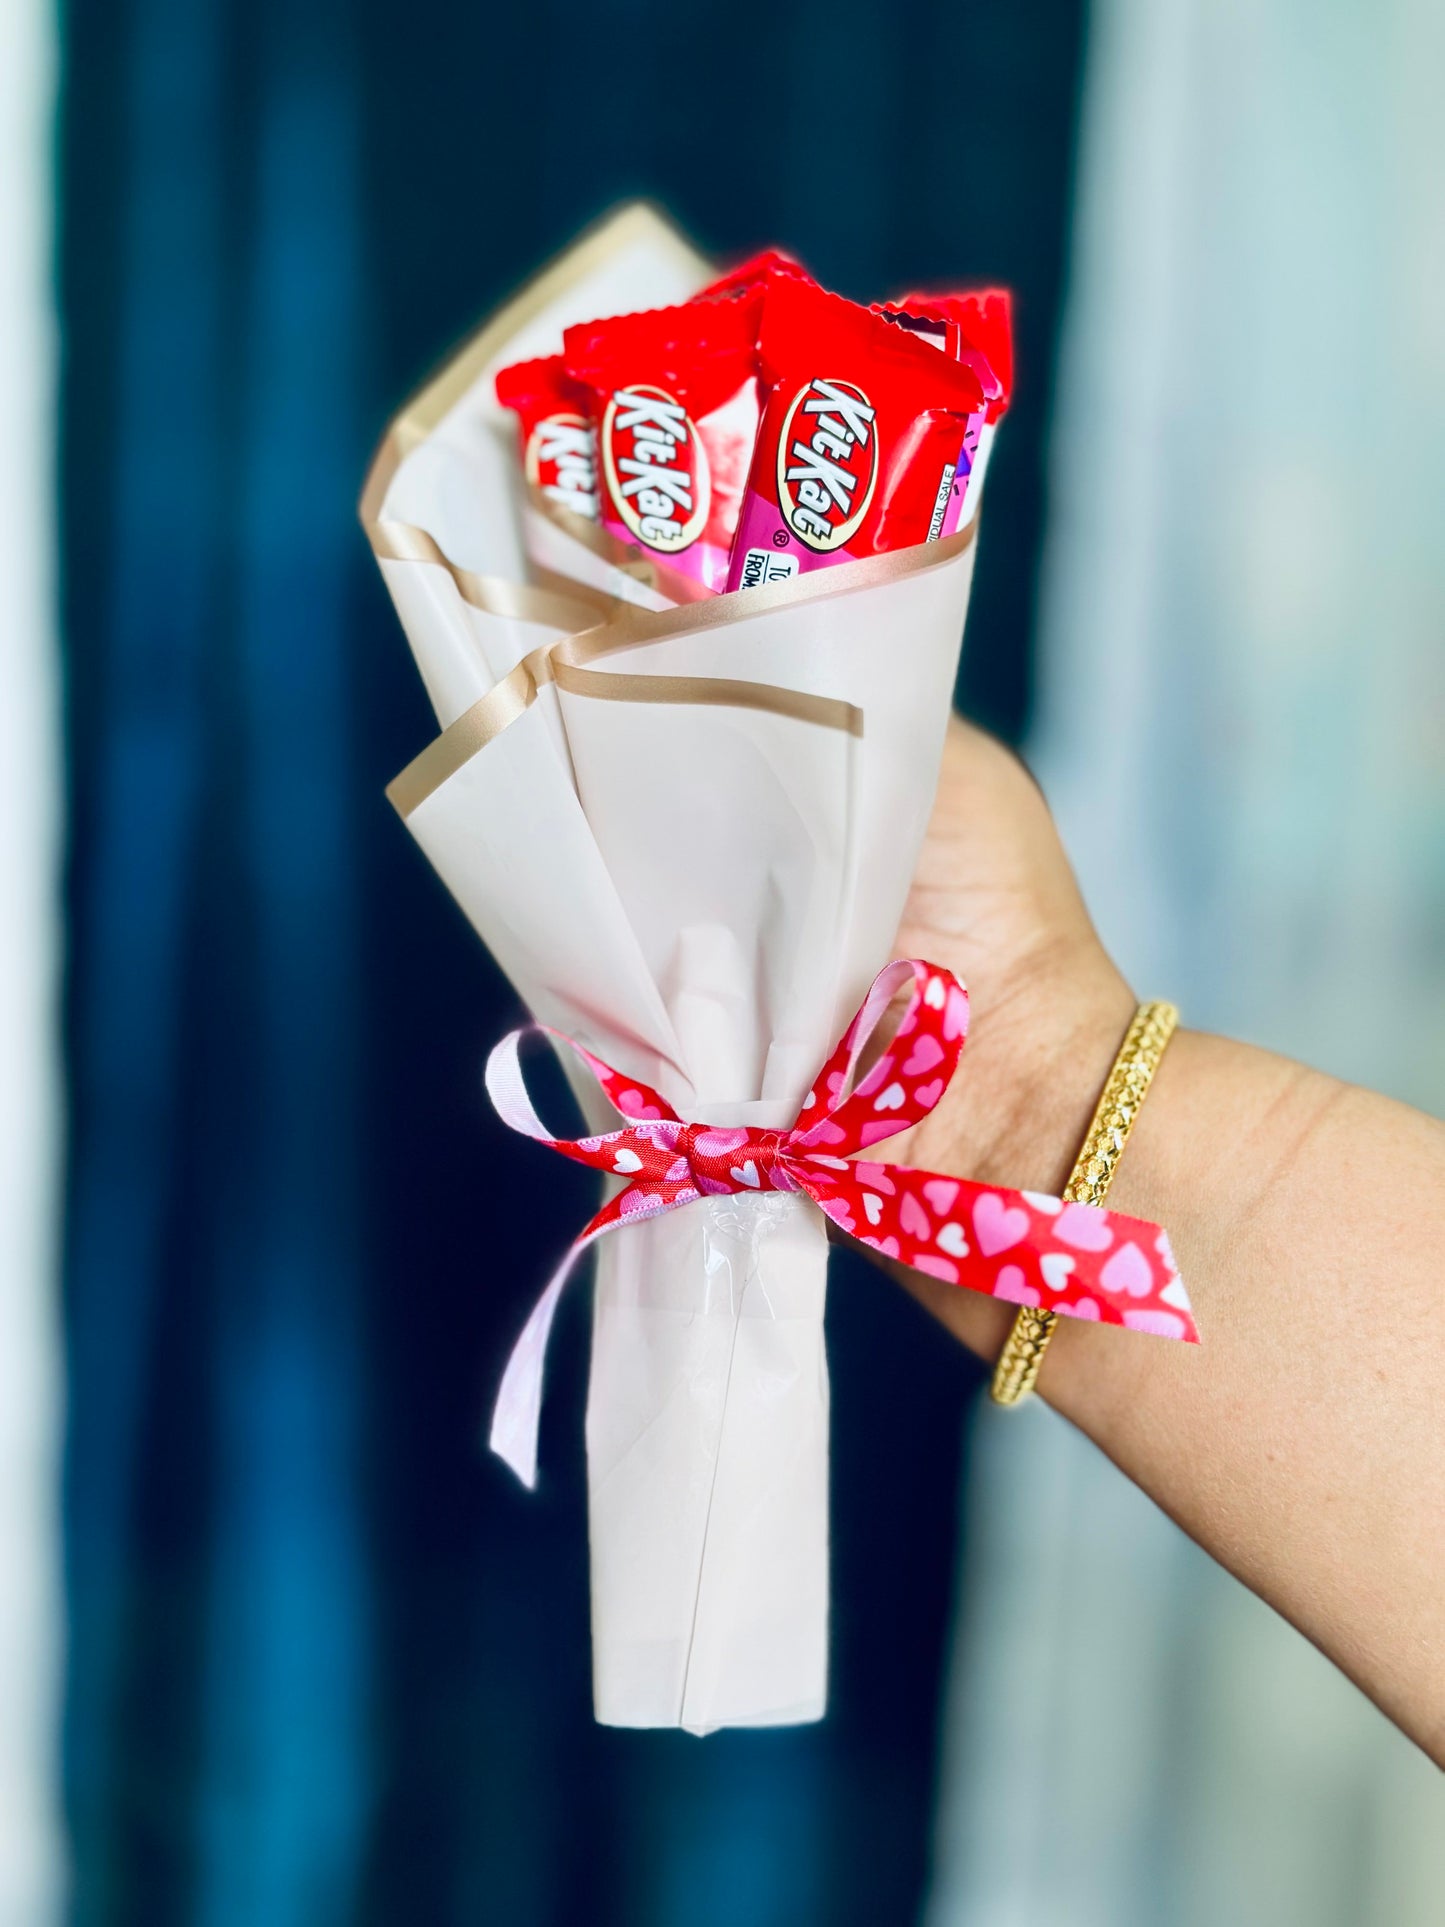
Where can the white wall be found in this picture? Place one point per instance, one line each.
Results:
(30, 1092)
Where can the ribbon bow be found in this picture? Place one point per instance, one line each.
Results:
(1022, 1246)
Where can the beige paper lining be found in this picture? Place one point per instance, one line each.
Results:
(565, 661)
(560, 603)
(516, 692)
(727, 692)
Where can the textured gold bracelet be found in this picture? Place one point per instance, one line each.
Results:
(1017, 1370)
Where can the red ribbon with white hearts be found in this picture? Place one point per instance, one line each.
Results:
(1021, 1246)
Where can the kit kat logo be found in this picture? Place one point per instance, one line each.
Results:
(827, 463)
(656, 468)
(562, 462)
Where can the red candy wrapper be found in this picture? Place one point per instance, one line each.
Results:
(758, 271)
(978, 322)
(674, 395)
(860, 439)
(559, 444)
(974, 328)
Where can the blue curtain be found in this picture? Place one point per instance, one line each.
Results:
(326, 1664)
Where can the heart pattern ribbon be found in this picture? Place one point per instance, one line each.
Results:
(1076, 1259)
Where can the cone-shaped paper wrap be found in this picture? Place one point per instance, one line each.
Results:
(686, 833)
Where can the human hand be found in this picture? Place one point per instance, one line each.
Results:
(995, 900)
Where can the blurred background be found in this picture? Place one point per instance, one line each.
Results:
(277, 1642)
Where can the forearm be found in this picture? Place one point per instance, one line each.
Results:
(1300, 1442)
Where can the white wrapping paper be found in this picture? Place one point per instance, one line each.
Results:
(686, 834)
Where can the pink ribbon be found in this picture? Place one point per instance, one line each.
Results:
(1021, 1246)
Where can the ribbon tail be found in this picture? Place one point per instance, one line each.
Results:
(517, 1414)
(1078, 1260)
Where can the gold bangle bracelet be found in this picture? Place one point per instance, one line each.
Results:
(1017, 1370)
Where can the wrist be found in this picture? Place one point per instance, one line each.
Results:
(1039, 1051)
(1037, 1057)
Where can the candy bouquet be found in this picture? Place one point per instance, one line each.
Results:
(684, 563)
